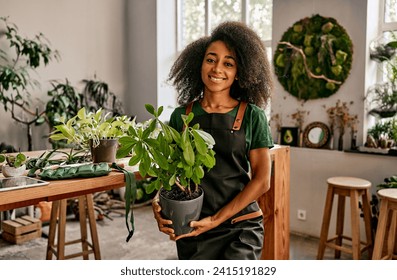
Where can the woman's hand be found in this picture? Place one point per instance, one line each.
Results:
(199, 227)
(161, 222)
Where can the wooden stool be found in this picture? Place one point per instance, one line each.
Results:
(86, 206)
(388, 205)
(353, 188)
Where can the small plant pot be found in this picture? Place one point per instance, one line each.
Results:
(9, 171)
(106, 151)
(181, 213)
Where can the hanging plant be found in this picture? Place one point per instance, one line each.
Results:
(313, 58)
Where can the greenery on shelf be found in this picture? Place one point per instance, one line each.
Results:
(389, 182)
(171, 157)
(384, 131)
(382, 96)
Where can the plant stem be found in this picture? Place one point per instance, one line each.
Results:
(180, 186)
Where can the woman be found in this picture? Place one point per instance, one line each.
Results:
(225, 79)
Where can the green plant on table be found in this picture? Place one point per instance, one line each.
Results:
(172, 157)
(91, 126)
(13, 160)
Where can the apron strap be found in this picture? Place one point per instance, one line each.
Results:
(189, 108)
(240, 115)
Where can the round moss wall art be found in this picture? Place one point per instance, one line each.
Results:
(313, 58)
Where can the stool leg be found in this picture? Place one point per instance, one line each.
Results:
(61, 230)
(381, 230)
(367, 222)
(325, 225)
(340, 220)
(92, 221)
(52, 229)
(83, 226)
(392, 237)
(355, 219)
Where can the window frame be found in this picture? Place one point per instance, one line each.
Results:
(207, 28)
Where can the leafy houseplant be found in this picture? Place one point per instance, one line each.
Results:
(177, 160)
(87, 130)
(383, 96)
(384, 131)
(22, 59)
(14, 164)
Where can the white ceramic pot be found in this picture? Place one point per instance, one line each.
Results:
(9, 171)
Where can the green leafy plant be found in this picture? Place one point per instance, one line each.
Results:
(97, 94)
(382, 97)
(17, 64)
(91, 126)
(384, 130)
(13, 160)
(173, 158)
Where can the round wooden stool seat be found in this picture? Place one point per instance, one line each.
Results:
(387, 218)
(349, 182)
(354, 188)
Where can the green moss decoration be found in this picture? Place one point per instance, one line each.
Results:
(313, 58)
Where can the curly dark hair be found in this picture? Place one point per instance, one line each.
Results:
(254, 84)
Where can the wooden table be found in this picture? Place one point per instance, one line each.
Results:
(59, 189)
(274, 204)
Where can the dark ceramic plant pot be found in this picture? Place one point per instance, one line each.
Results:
(181, 213)
(106, 151)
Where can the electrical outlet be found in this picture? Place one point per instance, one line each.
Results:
(301, 214)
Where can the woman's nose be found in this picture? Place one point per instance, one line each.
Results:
(216, 68)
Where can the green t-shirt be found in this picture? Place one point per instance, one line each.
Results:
(255, 124)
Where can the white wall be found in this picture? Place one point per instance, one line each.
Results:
(130, 44)
(310, 168)
(90, 36)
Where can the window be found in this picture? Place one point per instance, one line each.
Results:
(196, 18)
(388, 33)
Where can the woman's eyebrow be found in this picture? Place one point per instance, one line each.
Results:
(227, 56)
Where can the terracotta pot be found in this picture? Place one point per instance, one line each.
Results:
(106, 151)
(181, 213)
(9, 171)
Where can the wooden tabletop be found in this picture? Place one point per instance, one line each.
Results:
(60, 189)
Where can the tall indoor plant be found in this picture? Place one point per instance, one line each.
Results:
(17, 64)
(177, 161)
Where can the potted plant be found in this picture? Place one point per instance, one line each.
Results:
(14, 165)
(383, 97)
(176, 160)
(95, 131)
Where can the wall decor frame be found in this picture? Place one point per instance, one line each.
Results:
(289, 136)
(313, 57)
(316, 135)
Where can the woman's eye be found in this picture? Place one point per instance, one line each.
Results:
(228, 64)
